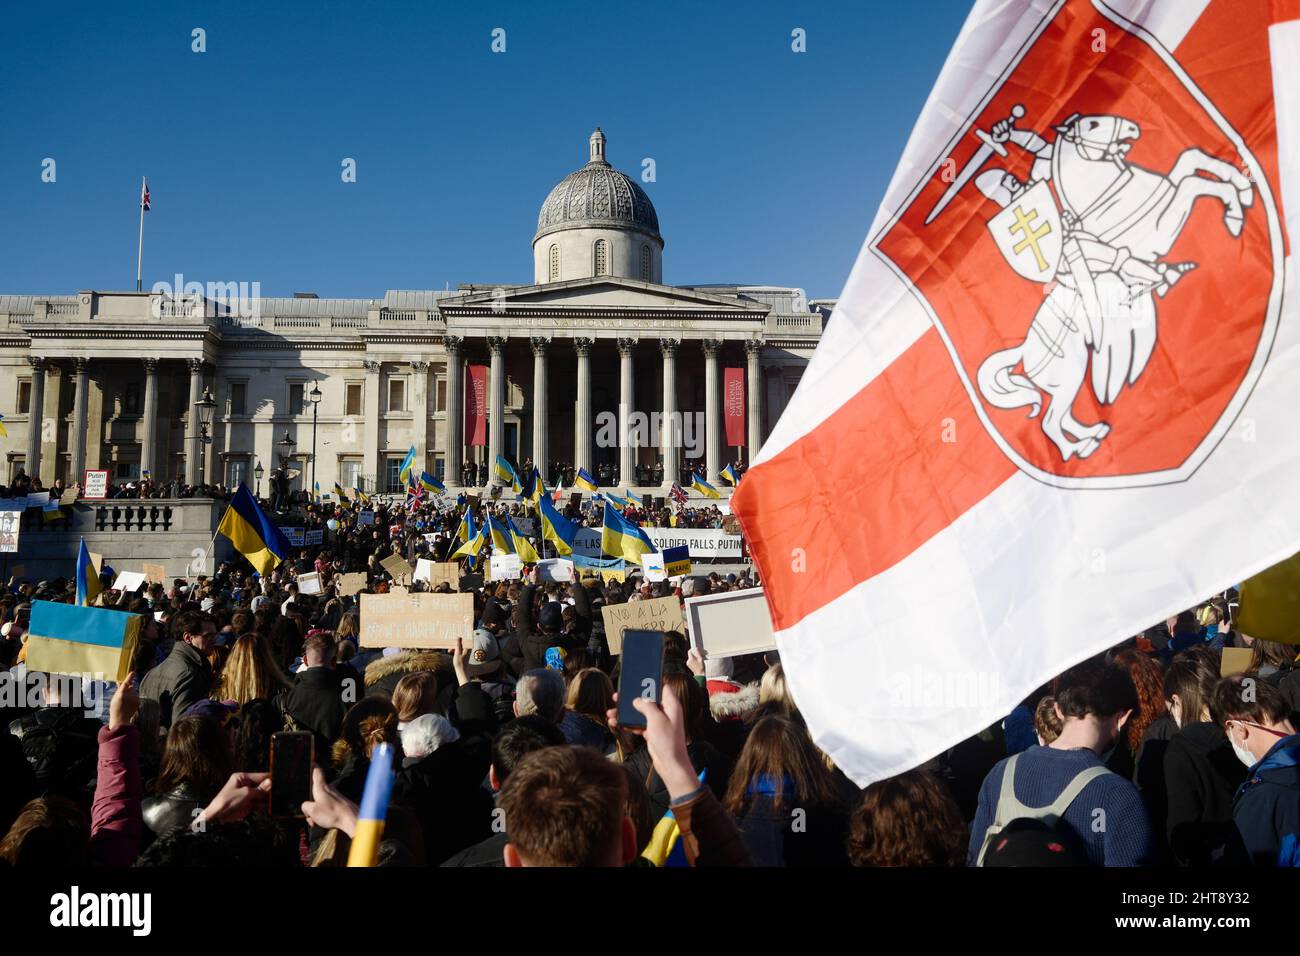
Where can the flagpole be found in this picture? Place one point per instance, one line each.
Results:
(139, 255)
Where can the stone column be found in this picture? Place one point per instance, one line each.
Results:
(670, 432)
(455, 410)
(371, 464)
(626, 451)
(712, 437)
(754, 382)
(496, 402)
(149, 433)
(81, 398)
(540, 345)
(582, 410)
(420, 413)
(193, 448)
(35, 417)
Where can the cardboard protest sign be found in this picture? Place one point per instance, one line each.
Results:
(437, 572)
(731, 524)
(155, 574)
(70, 639)
(661, 614)
(677, 561)
(309, 583)
(69, 497)
(506, 567)
(554, 570)
(416, 620)
(396, 566)
(129, 581)
(652, 565)
(352, 583)
(730, 624)
(397, 589)
(1235, 660)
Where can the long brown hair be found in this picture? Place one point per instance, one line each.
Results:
(196, 753)
(250, 673)
(1192, 675)
(780, 753)
(49, 831)
(591, 694)
(908, 820)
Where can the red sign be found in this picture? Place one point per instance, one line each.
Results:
(733, 405)
(476, 405)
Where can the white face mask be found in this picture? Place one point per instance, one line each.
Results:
(1244, 755)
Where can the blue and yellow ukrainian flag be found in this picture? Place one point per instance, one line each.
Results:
(361, 495)
(556, 528)
(703, 487)
(585, 481)
(431, 483)
(474, 539)
(338, 493)
(315, 492)
(665, 847)
(4, 432)
(507, 474)
(538, 486)
(729, 475)
(501, 542)
(408, 466)
(88, 583)
(523, 547)
(633, 498)
(252, 533)
(616, 501)
(620, 538)
(374, 808)
(69, 639)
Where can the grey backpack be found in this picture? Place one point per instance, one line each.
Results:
(1009, 808)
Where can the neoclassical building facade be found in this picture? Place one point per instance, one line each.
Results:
(341, 388)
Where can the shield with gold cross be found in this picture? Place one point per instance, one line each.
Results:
(1029, 235)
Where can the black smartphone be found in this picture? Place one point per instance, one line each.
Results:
(641, 671)
(292, 753)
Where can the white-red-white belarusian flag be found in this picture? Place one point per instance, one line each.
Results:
(1059, 399)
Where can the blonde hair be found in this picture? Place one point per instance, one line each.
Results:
(249, 673)
(772, 689)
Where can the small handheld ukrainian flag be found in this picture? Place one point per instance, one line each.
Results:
(523, 547)
(556, 528)
(338, 493)
(585, 481)
(374, 808)
(88, 583)
(252, 533)
(431, 483)
(474, 538)
(729, 475)
(315, 492)
(703, 487)
(507, 474)
(621, 538)
(501, 542)
(408, 466)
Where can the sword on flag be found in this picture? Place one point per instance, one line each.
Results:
(976, 162)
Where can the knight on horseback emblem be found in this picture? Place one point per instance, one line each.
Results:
(1094, 230)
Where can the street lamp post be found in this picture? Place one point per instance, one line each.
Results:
(286, 445)
(204, 408)
(258, 472)
(315, 396)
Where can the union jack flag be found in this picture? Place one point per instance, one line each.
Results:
(144, 195)
(414, 497)
(678, 494)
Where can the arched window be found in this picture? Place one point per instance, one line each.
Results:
(555, 263)
(602, 257)
(645, 263)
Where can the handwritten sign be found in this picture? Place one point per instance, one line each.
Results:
(294, 536)
(365, 518)
(309, 583)
(352, 583)
(554, 570)
(416, 620)
(69, 497)
(437, 572)
(661, 614)
(95, 483)
(155, 574)
(506, 567)
(730, 624)
(397, 567)
(314, 537)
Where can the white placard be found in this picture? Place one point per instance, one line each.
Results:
(309, 583)
(423, 569)
(730, 624)
(130, 581)
(506, 567)
(653, 566)
(556, 570)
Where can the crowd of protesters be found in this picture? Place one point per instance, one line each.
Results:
(507, 750)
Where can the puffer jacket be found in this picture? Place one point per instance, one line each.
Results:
(383, 673)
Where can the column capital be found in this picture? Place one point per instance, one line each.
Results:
(372, 366)
(583, 345)
(150, 365)
(420, 366)
(453, 343)
(195, 365)
(540, 344)
(753, 346)
(37, 362)
(497, 343)
(669, 346)
(80, 365)
(711, 346)
(626, 346)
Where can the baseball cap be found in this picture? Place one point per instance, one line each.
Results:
(484, 656)
(551, 616)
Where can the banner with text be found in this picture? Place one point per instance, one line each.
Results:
(476, 405)
(733, 405)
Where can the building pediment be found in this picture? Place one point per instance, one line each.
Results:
(601, 294)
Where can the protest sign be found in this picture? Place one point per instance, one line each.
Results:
(95, 483)
(1235, 660)
(10, 529)
(155, 574)
(702, 542)
(506, 567)
(730, 624)
(365, 518)
(13, 504)
(556, 570)
(661, 614)
(396, 566)
(309, 583)
(294, 536)
(352, 583)
(437, 572)
(70, 639)
(731, 524)
(38, 499)
(129, 581)
(69, 497)
(314, 537)
(416, 620)
(652, 565)
(677, 561)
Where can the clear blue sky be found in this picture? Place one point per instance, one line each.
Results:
(770, 164)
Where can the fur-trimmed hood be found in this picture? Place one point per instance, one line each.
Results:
(406, 662)
(734, 705)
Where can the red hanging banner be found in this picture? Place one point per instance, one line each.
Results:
(733, 405)
(476, 405)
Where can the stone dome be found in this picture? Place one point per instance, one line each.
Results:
(598, 196)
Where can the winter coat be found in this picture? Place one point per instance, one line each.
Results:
(778, 836)
(1201, 774)
(182, 679)
(115, 823)
(315, 703)
(179, 807)
(1266, 809)
(61, 744)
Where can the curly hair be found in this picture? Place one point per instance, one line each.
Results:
(1148, 680)
(908, 820)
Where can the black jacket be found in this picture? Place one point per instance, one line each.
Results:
(61, 745)
(704, 757)
(779, 837)
(526, 650)
(179, 681)
(315, 703)
(177, 808)
(487, 853)
(1201, 774)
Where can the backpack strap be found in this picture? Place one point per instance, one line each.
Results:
(1010, 808)
(1051, 814)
